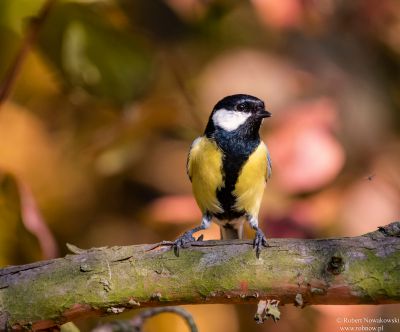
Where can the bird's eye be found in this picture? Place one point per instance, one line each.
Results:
(242, 107)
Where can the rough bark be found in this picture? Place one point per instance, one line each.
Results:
(358, 270)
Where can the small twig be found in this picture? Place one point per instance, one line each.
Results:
(140, 319)
(160, 244)
(29, 39)
(137, 322)
(201, 243)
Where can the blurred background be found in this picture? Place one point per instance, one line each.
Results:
(95, 134)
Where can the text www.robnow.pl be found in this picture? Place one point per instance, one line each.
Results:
(361, 328)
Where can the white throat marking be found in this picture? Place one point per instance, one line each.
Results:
(229, 120)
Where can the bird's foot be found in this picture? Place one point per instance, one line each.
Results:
(183, 241)
(259, 241)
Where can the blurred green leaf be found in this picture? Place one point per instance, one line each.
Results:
(14, 14)
(92, 54)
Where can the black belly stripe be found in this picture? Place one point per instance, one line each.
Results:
(236, 152)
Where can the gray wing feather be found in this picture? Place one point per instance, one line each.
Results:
(269, 165)
(188, 157)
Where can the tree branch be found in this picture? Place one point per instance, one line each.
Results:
(358, 270)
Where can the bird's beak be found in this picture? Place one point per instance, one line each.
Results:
(263, 114)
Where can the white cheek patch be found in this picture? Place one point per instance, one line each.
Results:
(229, 120)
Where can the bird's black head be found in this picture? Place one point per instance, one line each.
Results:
(237, 113)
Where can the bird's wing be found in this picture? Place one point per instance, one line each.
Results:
(269, 166)
(189, 159)
(203, 167)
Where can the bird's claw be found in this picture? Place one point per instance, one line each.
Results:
(182, 241)
(259, 241)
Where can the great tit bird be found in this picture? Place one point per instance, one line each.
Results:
(228, 167)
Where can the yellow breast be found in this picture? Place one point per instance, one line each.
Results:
(250, 185)
(205, 170)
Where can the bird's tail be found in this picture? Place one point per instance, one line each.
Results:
(232, 230)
